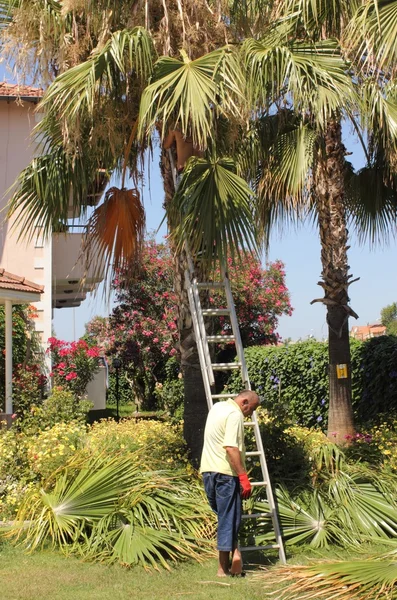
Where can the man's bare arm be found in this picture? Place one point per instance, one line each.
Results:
(169, 140)
(235, 461)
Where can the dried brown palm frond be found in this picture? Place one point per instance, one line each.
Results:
(115, 233)
(372, 579)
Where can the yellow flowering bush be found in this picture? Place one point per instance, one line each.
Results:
(51, 448)
(13, 454)
(384, 437)
(12, 493)
(160, 444)
(309, 437)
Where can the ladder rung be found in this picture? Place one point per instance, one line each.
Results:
(258, 483)
(210, 284)
(248, 423)
(257, 516)
(227, 396)
(225, 366)
(220, 338)
(213, 312)
(269, 547)
(256, 453)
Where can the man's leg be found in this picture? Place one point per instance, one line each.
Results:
(223, 566)
(237, 562)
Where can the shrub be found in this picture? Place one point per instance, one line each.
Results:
(62, 406)
(161, 444)
(53, 447)
(28, 387)
(74, 364)
(170, 394)
(293, 379)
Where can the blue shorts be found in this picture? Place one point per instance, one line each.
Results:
(223, 493)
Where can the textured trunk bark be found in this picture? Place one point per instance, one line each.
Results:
(195, 403)
(329, 184)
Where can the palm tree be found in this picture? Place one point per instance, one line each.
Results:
(325, 81)
(284, 94)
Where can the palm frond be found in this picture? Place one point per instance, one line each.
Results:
(189, 94)
(7, 8)
(107, 508)
(213, 210)
(372, 204)
(313, 77)
(318, 17)
(361, 580)
(378, 106)
(78, 90)
(372, 34)
(51, 187)
(283, 183)
(115, 233)
(81, 494)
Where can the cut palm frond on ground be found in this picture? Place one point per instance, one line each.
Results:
(373, 579)
(111, 510)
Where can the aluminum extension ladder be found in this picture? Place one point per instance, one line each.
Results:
(203, 340)
(207, 370)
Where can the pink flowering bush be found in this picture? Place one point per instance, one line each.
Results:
(73, 364)
(260, 297)
(142, 329)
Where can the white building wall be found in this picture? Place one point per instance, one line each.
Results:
(28, 259)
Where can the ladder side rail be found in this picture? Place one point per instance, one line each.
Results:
(203, 332)
(191, 277)
(199, 343)
(236, 331)
(269, 490)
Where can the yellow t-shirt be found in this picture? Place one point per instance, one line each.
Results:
(224, 427)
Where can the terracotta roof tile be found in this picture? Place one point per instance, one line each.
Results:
(8, 281)
(13, 90)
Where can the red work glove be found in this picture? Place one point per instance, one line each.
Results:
(245, 486)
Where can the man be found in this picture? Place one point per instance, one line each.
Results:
(184, 148)
(224, 474)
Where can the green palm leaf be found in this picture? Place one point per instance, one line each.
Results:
(312, 76)
(78, 90)
(372, 32)
(51, 187)
(190, 93)
(109, 509)
(213, 210)
(372, 203)
(81, 494)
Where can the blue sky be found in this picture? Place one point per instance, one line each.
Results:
(299, 250)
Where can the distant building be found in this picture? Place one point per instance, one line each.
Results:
(365, 332)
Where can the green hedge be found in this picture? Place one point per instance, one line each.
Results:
(293, 379)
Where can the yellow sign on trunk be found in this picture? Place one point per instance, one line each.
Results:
(341, 371)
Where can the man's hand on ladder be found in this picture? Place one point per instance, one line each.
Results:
(245, 485)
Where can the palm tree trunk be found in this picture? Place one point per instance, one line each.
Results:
(195, 404)
(330, 187)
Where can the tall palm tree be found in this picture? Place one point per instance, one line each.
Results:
(128, 71)
(325, 81)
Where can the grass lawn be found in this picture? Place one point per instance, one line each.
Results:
(50, 575)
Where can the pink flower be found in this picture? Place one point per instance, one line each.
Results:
(13, 416)
(71, 375)
(93, 352)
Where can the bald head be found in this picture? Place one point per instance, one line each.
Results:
(248, 401)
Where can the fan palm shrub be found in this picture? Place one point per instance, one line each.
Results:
(345, 505)
(111, 509)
